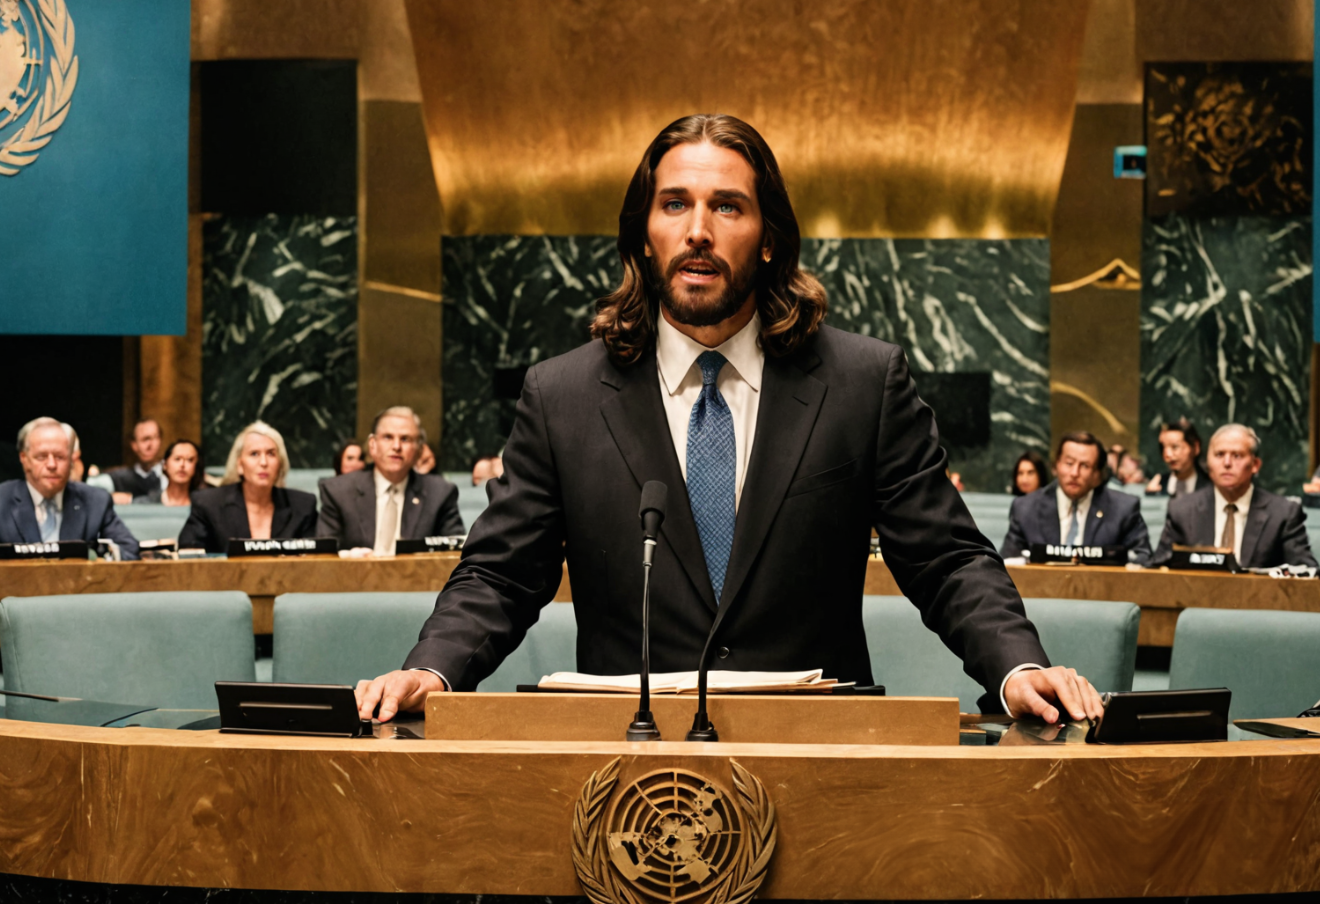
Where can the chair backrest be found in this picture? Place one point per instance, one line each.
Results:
(1098, 639)
(550, 646)
(1270, 660)
(162, 649)
(340, 638)
(307, 479)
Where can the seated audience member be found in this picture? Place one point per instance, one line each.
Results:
(183, 471)
(390, 500)
(1230, 512)
(349, 458)
(252, 502)
(1077, 509)
(146, 477)
(1181, 447)
(1028, 473)
(487, 468)
(425, 458)
(44, 506)
(1129, 470)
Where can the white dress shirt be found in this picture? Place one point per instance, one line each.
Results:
(157, 470)
(39, 502)
(1221, 519)
(383, 489)
(1065, 515)
(1180, 487)
(739, 382)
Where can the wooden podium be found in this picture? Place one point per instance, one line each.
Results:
(516, 814)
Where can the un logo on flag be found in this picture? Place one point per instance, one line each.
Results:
(38, 73)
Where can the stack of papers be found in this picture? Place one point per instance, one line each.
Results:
(686, 682)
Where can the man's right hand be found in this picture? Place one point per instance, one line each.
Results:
(398, 691)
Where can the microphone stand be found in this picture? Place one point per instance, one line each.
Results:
(702, 728)
(643, 725)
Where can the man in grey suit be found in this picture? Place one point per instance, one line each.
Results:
(389, 501)
(1262, 529)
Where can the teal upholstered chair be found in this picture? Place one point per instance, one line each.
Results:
(1098, 639)
(341, 638)
(550, 646)
(1270, 660)
(159, 649)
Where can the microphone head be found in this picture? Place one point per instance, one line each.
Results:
(655, 498)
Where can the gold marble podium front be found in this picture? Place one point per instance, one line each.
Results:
(853, 821)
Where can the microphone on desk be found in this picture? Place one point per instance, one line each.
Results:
(702, 729)
(655, 495)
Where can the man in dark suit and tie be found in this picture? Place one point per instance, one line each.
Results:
(1262, 529)
(44, 506)
(389, 501)
(1077, 509)
(782, 441)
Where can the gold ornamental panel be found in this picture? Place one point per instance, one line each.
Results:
(672, 837)
(938, 118)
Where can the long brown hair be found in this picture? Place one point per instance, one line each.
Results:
(791, 301)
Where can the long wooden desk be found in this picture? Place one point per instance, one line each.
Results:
(205, 810)
(1160, 594)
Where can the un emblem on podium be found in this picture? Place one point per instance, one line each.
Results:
(38, 73)
(672, 836)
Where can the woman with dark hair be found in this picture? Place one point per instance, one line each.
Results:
(791, 303)
(1029, 473)
(183, 472)
(349, 458)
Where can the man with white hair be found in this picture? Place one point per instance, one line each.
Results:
(389, 501)
(45, 506)
(1262, 529)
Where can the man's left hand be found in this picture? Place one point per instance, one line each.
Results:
(1039, 692)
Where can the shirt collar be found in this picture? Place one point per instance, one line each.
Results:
(1243, 502)
(38, 499)
(147, 472)
(676, 352)
(382, 484)
(1083, 504)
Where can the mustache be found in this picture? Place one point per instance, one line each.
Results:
(698, 255)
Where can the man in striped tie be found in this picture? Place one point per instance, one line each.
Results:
(783, 442)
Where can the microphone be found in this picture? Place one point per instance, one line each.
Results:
(655, 495)
(702, 729)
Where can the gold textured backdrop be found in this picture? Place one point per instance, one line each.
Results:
(937, 118)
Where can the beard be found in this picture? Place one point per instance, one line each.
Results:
(703, 305)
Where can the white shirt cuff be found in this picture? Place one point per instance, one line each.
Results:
(1003, 684)
(450, 687)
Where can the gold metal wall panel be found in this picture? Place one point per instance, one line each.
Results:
(398, 358)
(1204, 31)
(401, 217)
(934, 118)
(276, 29)
(1110, 72)
(388, 71)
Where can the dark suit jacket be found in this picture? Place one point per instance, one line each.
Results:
(89, 514)
(1202, 480)
(842, 444)
(127, 480)
(219, 515)
(1114, 519)
(348, 508)
(1275, 532)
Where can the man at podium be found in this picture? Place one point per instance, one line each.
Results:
(710, 371)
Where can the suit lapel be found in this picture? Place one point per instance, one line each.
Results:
(364, 503)
(635, 416)
(1095, 515)
(1257, 518)
(283, 512)
(1204, 519)
(1050, 512)
(414, 501)
(73, 520)
(236, 514)
(25, 515)
(790, 402)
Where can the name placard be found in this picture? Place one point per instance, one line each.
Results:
(308, 547)
(1078, 555)
(428, 544)
(1203, 559)
(55, 549)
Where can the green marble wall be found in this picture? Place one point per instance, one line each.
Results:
(279, 340)
(958, 306)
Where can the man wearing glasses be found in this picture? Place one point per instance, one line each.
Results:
(388, 501)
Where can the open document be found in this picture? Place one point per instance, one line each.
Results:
(686, 682)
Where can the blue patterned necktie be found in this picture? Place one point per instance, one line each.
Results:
(50, 528)
(1072, 528)
(711, 463)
